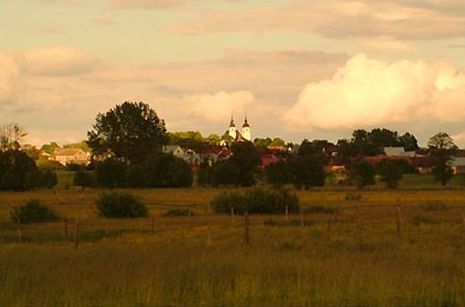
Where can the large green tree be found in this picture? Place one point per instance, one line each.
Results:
(247, 160)
(131, 131)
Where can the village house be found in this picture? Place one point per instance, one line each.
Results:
(458, 165)
(67, 156)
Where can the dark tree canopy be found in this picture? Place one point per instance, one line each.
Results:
(247, 160)
(390, 173)
(130, 131)
(442, 171)
(362, 174)
(441, 141)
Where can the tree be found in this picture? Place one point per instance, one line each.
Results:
(307, 171)
(278, 174)
(441, 142)
(390, 173)
(362, 174)
(442, 171)
(50, 148)
(130, 131)
(225, 173)
(19, 172)
(11, 136)
(247, 160)
(409, 142)
(278, 142)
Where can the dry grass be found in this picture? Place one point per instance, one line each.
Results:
(359, 259)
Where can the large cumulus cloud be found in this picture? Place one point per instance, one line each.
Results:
(367, 92)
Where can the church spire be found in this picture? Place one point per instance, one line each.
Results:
(231, 124)
(246, 123)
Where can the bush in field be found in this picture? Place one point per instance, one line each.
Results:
(120, 205)
(178, 212)
(256, 200)
(32, 212)
(84, 178)
(320, 209)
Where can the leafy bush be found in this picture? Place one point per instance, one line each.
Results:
(110, 173)
(362, 174)
(390, 173)
(18, 171)
(353, 197)
(120, 205)
(256, 200)
(48, 179)
(179, 212)
(320, 209)
(32, 212)
(84, 178)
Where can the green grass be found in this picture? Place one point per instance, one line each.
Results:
(348, 254)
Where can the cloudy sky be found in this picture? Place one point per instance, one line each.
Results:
(298, 68)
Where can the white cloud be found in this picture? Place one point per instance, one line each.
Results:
(218, 107)
(57, 61)
(367, 92)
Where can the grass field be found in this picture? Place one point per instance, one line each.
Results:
(345, 253)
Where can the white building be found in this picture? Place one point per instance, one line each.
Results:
(244, 134)
(67, 156)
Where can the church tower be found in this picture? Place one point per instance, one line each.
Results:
(245, 131)
(232, 131)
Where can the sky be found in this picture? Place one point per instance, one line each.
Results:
(297, 68)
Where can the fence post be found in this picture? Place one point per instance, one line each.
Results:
(76, 235)
(329, 229)
(287, 213)
(302, 225)
(398, 220)
(232, 214)
(246, 228)
(20, 234)
(66, 227)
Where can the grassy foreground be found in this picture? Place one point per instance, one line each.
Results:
(345, 253)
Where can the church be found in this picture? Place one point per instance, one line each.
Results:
(239, 135)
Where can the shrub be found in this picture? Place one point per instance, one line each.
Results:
(32, 212)
(307, 171)
(390, 173)
(353, 197)
(320, 209)
(84, 178)
(278, 174)
(256, 200)
(18, 171)
(362, 174)
(74, 167)
(110, 173)
(48, 179)
(120, 205)
(178, 212)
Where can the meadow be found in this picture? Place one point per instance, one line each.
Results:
(403, 247)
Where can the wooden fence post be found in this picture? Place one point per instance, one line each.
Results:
(233, 214)
(246, 228)
(398, 221)
(302, 225)
(76, 235)
(66, 227)
(20, 234)
(329, 229)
